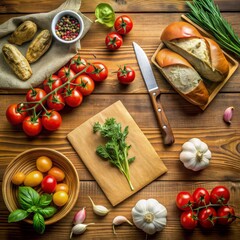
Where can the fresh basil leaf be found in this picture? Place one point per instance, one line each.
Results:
(27, 197)
(105, 14)
(45, 200)
(47, 212)
(38, 223)
(17, 215)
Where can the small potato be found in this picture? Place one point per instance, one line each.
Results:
(18, 178)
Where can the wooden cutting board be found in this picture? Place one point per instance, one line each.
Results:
(146, 167)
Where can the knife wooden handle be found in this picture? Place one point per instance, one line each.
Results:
(165, 127)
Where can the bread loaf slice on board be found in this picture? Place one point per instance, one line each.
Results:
(182, 76)
(204, 54)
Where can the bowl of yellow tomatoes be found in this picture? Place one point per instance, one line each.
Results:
(40, 181)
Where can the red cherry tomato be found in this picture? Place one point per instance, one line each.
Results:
(16, 113)
(226, 215)
(113, 41)
(49, 184)
(85, 84)
(51, 120)
(207, 217)
(201, 197)
(73, 97)
(97, 71)
(32, 125)
(184, 201)
(123, 24)
(77, 63)
(56, 101)
(188, 219)
(125, 75)
(219, 194)
(34, 95)
(65, 74)
(51, 83)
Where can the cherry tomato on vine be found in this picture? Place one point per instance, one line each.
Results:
(72, 97)
(56, 101)
(123, 24)
(48, 184)
(16, 113)
(97, 71)
(201, 197)
(34, 95)
(65, 73)
(226, 215)
(51, 120)
(77, 63)
(125, 75)
(51, 83)
(207, 217)
(188, 219)
(219, 194)
(113, 41)
(184, 201)
(32, 125)
(85, 84)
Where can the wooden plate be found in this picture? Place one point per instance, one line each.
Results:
(213, 87)
(26, 162)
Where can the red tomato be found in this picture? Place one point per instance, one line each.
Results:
(201, 197)
(49, 184)
(85, 84)
(16, 113)
(35, 95)
(51, 120)
(125, 75)
(123, 24)
(32, 125)
(226, 215)
(113, 41)
(207, 217)
(66, 73)
(73, 97)
(51, 83)
(97, 71)
(184, 201)
(219, 194)
(56, 102)
(77, 63)
(189, 220)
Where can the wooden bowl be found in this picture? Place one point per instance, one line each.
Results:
(26, 162)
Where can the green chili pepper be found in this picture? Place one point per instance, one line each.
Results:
(105, 14)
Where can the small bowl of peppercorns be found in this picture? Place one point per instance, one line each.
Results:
(67, 26)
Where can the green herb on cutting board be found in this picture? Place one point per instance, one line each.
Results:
(207, 15)
(105, 14)
(116, 149)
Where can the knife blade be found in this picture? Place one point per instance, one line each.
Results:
(154, 93)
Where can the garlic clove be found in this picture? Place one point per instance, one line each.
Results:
(228, 114)
(99, 209)
(80, 216)
(79, 229)
(118, 221)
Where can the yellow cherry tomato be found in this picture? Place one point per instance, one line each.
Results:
(44, 163)
(60, 198)
(57, 173)
(62, 187)
(33, 179)
(18, 178)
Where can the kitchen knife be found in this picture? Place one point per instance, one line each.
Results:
(154, 93)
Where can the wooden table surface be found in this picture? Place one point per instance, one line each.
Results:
(187, 121)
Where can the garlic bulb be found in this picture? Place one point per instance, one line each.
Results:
(149, 215)
(195, 154)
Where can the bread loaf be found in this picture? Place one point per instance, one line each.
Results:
(202, 53)
(182, 76)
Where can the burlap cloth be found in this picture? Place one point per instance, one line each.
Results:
(57, 55)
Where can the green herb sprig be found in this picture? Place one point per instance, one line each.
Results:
(105, 14)
(116, 149)
(207, 15)
(32, 203)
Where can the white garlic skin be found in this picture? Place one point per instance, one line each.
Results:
(79, 229)
(120, 219)
(99, 209)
